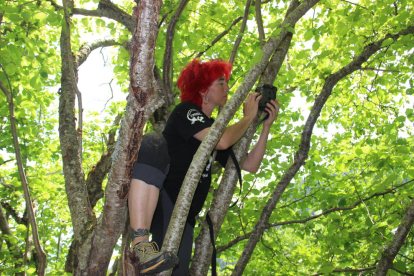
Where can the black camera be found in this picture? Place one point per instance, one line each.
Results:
(268, 93)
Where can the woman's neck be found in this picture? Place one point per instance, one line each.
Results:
(207, 109)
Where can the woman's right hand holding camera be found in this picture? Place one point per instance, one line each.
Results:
(251, 105)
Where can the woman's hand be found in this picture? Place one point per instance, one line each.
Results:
(251, 105)
(273, 111)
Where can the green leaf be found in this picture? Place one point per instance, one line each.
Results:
(26, 104)
(316, 45)
(403, 149)
(11, 69)
(26, 15)
(327, 269)
(257, 57)
(308, 35)
(248, 177)
(21, 228)
(387, 42)
(85, 22)
(35, 82)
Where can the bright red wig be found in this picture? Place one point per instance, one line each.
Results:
(198, 76)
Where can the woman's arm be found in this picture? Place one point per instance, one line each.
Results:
(233, 133)
(255, 156)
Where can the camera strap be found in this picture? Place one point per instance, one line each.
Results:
(210, 223)
(264, 118)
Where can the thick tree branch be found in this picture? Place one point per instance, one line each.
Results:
(87, 48)
(397, 241)
(304, 147)
(32, 218)
(168, 60)
(74, 178)
(105, 9)
(159, 118)
(141, 102)
(76, 190)
(225, 191)
(20, 220)
(98, 172)
(220, 36)
(241, 32)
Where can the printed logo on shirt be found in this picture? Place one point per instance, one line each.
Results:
(194, 115)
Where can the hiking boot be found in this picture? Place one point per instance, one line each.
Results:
(151, 260)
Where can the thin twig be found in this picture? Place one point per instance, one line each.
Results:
(32, 218)
(348, 270)
(220, 36)
(241, 33)
(354, 4)
(112, 94)
(382, 70)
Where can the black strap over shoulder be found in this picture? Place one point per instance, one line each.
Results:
(210, 223)
(214, 256)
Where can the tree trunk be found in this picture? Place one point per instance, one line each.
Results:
(94, 239)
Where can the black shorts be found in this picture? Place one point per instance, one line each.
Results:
(153, 161)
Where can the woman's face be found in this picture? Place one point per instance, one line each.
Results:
(217, 92)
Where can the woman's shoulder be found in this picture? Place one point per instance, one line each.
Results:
(185, 107)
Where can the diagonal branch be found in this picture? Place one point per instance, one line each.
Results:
(302, 154)
(347, 270)
(32, 218)
(220, 36)
(105, 9)
(98, 172)
(14, 214)
(87, 48)
(336, 209)
(241, 32)
(397, 241)
(168, 60)
(225, 191)
(259, 21)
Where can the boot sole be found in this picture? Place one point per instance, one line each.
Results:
(165, 264)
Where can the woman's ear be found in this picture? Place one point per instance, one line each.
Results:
(204, 93)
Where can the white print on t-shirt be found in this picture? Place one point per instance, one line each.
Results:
(210, 161)
(194, 116)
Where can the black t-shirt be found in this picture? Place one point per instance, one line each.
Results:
(185, 121)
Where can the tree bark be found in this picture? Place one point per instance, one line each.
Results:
(141, 101)
(304, 147)
(397, 241)
(98, 172)
(167, 63)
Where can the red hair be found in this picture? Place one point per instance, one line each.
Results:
(198, 76)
